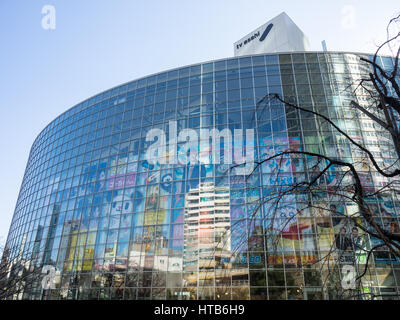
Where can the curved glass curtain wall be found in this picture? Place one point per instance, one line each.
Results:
(117, 227)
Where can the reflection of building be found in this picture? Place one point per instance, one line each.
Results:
(159, 262)
(73, 257)
(207, 243)
(36, 244)
(50, 235)
(91, 203)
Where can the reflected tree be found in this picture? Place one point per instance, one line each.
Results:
(339, 222)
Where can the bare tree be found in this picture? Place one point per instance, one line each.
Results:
(349, 171)
(22, 277)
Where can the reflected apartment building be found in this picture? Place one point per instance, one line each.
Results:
(207, 248)
(113, 225)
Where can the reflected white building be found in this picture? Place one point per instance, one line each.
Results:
(207, 234)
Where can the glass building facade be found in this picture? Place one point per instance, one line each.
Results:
(117, 226)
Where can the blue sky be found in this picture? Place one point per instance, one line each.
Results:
(98, 44)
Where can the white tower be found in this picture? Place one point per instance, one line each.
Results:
(279, 34)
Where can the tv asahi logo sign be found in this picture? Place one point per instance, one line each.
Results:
(256, 35)
(186, 148)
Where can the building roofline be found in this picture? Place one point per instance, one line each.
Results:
(195, 64)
